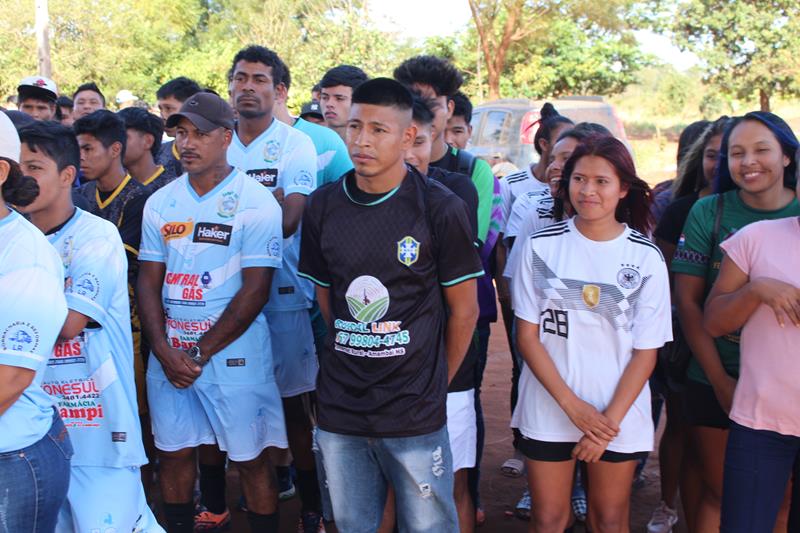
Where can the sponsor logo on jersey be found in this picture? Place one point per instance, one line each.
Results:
(408, 250)
(69, 351)
(176, 230)
(86, 285)
(274, 248)
(268, 177)
(21, 337)
(304, 179)
(628, 278)
(208, 233)
(227, 204)
(272, 151)
(66, 252)
(682, 240)
(239, 361)
(205, 279)
(367, 299)
(591, 295)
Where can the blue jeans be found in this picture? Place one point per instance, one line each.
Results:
(758, 465)
(34, 482)
(419, 468)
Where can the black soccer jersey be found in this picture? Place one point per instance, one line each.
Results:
(383, 370)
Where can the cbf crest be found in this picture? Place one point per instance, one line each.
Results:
(408, 250)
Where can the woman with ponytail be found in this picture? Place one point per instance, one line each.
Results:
(35, 449)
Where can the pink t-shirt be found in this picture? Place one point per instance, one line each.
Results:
(768, 393)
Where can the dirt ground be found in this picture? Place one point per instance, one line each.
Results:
(499, 494)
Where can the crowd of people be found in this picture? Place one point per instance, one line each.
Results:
(309, 299)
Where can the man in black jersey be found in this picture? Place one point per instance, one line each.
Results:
(144, 131)
(388, 250)
(114, 195)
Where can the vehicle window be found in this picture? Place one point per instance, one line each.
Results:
(496, 128)
(476, 126)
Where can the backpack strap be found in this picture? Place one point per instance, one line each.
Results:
(465, 163)
(717, 221)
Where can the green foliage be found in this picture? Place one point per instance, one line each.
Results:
(747, 48)
(140, 44)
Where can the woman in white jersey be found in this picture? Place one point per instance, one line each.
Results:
(591, 295)
(34, 446)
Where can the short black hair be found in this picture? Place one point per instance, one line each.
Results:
(346, 75)
(316, 88)
(584, 130)
(90, 86)
(105, 126)
(180, 88)
(462, 106)
(263, 55)
(383, 92)
(55, 141)
(440, 74)
(142, 120)
(421, 111)
(65, 101)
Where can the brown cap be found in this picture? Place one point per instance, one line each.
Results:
(206, 111)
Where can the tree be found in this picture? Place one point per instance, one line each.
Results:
(554, 47)
(746, 48)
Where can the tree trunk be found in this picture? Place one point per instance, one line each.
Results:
(43, 38)
(494, 84)
(764, 99)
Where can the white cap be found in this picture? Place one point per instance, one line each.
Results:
(38, 86)
(9, 139)
(125, 96)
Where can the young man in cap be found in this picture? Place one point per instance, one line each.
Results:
(171, 97)
(90, 372)
(37, 97)
(383, 284)
(312, 112)
(144, 132)
(212, 240)
(87, 98)
(284, 160)
(337, 86)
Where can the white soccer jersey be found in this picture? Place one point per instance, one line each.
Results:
(282, 157)
(532, 212)
(594, 302)
(516, 184)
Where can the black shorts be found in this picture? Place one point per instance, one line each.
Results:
(539, 450)
(701, 408)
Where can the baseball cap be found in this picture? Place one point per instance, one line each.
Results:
(38, 87)
(125, 96)
(311, 108)
(9, 139)
(206, 111)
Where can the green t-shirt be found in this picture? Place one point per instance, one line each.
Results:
(698, 256)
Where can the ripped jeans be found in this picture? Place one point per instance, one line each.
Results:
(420, 469)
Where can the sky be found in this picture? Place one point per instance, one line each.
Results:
(445, 17)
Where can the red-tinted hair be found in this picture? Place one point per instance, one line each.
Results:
(634, 209)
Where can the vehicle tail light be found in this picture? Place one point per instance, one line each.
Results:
(528, 127)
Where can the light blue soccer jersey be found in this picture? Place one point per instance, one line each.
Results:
(281, 157)
(31, 317)
(333, 161)
(91, 376)
(205, 242)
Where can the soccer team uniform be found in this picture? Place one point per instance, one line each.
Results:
(160, 177)
(531, 212)
(383, 371)
(333, 161)
(515, 185)
(92, 379)
(204, 243)
(170, 158)
(595, 302)
(282, 157)
(31, 280)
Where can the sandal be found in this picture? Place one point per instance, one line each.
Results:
(523, 508)
(513, 467)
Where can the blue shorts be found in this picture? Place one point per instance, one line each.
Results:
(102, 498)
(293, 352)
(241, 419)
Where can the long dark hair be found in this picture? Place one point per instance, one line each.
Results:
(782, 132)
(634, 209)
(690, 177)
(18, 189)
